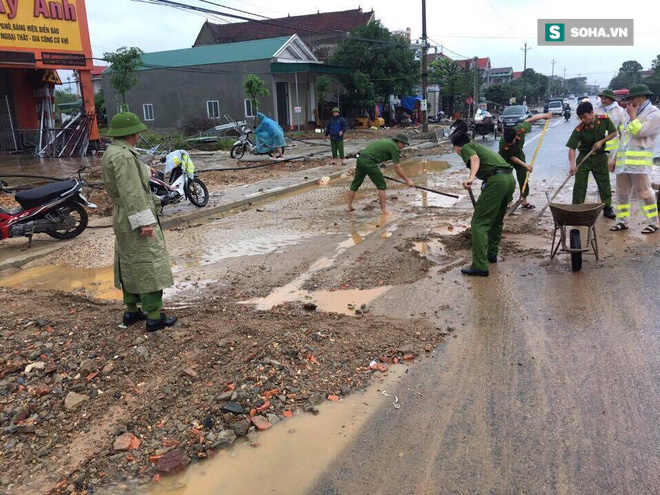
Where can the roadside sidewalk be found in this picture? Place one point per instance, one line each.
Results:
(14, 252)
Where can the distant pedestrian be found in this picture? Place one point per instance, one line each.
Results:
(591, 135)
(142, 264)
(368, 163)
(512, 143)
(335, 129)
(497, 189)
(635, 160)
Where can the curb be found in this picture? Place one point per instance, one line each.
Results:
(173, 222)
(169, 223)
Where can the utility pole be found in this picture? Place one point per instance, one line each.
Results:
(524, 70)
(425, 72)
(552, 77)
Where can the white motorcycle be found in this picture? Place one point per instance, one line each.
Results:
(182, 179)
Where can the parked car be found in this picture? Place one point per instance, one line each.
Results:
(515, 114)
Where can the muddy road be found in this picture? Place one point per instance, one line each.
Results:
(533, 380)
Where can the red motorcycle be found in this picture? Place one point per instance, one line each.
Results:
(56, 209)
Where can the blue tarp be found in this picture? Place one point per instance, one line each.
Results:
(269, 134)
(409, 102)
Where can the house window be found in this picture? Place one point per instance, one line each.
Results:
(148, 111)
(213, 109)
(249, 111)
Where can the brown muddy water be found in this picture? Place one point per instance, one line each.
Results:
(97, 281)
(214, 244)
(289, 456)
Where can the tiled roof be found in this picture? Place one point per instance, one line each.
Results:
(482, 63)
(517, 74)
(215, 54)
(302, 25)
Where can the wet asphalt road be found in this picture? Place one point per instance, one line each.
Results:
(551, 386)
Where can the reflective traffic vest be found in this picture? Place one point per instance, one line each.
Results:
(638, 154)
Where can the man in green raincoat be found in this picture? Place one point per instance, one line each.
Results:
(142, 264)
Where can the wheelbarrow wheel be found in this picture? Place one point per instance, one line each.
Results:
(576, 243)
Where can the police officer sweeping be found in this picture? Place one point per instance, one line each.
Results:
(142, 264)
(496, 192)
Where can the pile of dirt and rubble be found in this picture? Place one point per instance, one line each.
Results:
(86, 403)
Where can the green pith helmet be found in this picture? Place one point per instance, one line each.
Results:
(607, 93)
(125, 124)
(402, 138)
(336, 109)
(639, 90)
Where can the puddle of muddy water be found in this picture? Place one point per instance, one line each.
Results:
(429, 249)
(340, 301)
(98, 282)
(290, 456)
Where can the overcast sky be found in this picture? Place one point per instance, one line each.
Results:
(494, 28)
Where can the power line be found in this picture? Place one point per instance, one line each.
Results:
(501, 18)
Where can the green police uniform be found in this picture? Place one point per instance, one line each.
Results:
(515, 149)
(367, 163)
(496, 193)
(583, 138)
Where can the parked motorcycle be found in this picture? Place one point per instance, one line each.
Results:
(56, 209)
(182, 180)
(246, 144)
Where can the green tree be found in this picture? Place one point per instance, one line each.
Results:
(361, 91)
(125, 63)
(629, 74)
(386, 60)
(322, 88)
(64, 96)
(255, 87)
(455, 82)
(99, 104)
(500, 93)
(655, 65)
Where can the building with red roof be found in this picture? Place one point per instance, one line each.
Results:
(322, 32)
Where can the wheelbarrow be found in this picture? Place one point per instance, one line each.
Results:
(584, 215)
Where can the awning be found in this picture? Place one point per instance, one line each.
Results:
(297, 68)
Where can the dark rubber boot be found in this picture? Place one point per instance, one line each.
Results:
(131, 318)
(165, 321)
(474, 273)
(492, 258)
(608, 212)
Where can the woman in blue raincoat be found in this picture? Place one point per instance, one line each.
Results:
(270, 136)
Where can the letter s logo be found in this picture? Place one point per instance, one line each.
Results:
(555, 32)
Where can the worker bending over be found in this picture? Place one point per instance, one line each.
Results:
(497, 189)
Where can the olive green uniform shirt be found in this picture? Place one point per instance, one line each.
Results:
(382, 150)
(489, 161)
(509, 150)
(584, 137)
